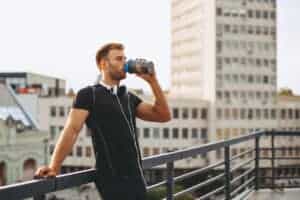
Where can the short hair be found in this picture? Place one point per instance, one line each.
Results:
(104, 50)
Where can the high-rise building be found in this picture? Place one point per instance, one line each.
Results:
(224, 51)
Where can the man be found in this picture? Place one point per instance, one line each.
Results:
(109, 111)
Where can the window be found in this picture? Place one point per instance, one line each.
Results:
(227, 28)
(146, 132)
(283, 114)
(243, 113)
(185, 113)
(175, 132)
(266, 30)
(219, 95)
(155, 133)
(146, 151)
(290, 113)
(227, 133)
(266, 113)
(258, 14)
(227, 113)
(235, 113)
(219, 46)
(250, 79)
(88, 151)
(258, 30)
(219, 134)
(194, 113)
(258, 113)
(266, 79)
(250, 13)
(166, 133)
(235, 132)
(52, 111)
(195, 133)
(273, 15)
(219, 12)
(203, 113)
(175, 113)
(79, 151)
(297, 114)
(52, 132)
(250, 113)
(219, 113)
(61, 111)
(51, 149)
(155, 151)
(185, 133)
(266, 14)
(273, 113)
(204, 133)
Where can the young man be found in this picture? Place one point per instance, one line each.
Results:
(109, 110)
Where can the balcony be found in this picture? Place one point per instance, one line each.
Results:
(235, 178)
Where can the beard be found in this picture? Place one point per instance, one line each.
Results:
(117, 75)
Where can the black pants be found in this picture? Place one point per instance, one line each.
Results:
(121, 188)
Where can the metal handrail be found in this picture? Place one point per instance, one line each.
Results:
(35, 188)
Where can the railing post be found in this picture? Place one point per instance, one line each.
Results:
(257, 162)
(227, 172)
(170, 180)
(273, 160)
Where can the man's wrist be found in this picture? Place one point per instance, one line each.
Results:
(54, 167)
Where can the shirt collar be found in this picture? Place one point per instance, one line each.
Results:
(109, 87)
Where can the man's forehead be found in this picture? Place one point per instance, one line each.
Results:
(116, 52)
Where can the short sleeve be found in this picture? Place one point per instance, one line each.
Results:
(135, 99)
(83, 99)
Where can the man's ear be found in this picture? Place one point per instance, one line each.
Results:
(102, 64)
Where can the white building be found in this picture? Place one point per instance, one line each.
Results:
(224, 52)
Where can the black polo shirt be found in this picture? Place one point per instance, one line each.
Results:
(122, 146)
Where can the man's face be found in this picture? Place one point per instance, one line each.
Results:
(114, 64)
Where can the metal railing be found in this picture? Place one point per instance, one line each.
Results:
(235, 177)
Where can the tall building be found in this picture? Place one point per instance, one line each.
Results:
(224, 51)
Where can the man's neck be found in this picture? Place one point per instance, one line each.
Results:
(109, 83)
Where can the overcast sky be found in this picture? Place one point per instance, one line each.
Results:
(60, 37)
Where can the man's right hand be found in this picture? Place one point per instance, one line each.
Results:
(45, 172)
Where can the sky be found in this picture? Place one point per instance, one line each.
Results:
(60, 38)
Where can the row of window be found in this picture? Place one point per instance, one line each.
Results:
(283, 151)
(243, 78)
(243, 29)
(78, 151)
(244, 61)
(173, 133)
(189, 113)
(257, 113)
(234, 152)
(244, 95)
(148, 151)
(246, 46)
(257, 14)
(55, 130)
(59, 111)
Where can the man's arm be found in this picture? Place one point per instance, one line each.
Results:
(159, 112)
(66, 140)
